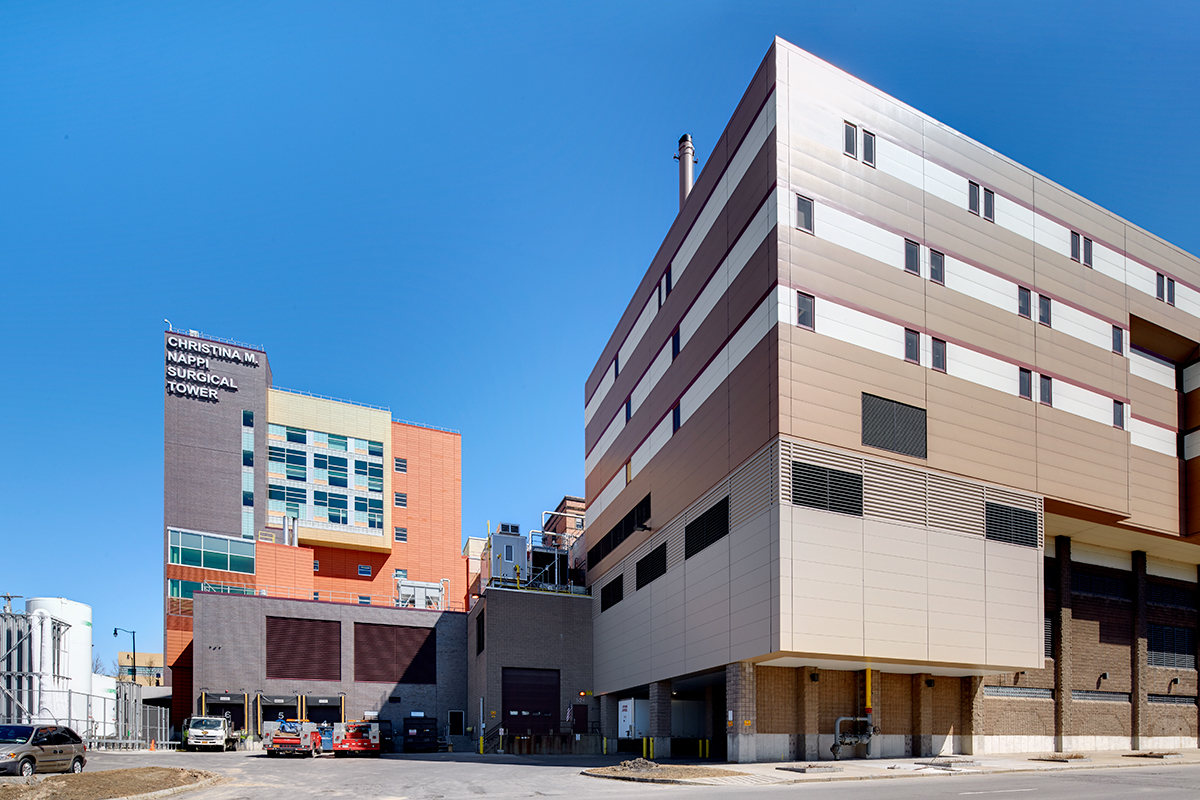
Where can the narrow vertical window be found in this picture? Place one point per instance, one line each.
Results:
(675, 344)
(1024, 302)
(937, 267)
(973, 197)
(939, 355)
(912, 346)
(248, 419)
(912, 257)
(1087, 252)
(1170, 291)
(1118, 340)
(316, 566)
(850, 147)
(670, 284)
(616, 366)
(989, 205)
(1046, 390)
(675, 418)
(1118, 414)
(805, 317)
(1026, 384)
(628, 473)
(1160, 290)
(804, 214)
(1074, 246)
(628, 408)
(660, 293)
(1043, 309)
(868, 148)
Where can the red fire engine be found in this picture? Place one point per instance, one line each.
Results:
(356, 736)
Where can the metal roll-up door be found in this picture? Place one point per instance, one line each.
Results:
(530, 699)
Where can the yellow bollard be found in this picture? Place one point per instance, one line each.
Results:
(651, 748)
(604, 744)
(643, 747)
(480, 745)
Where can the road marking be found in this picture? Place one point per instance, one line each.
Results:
(999, 791)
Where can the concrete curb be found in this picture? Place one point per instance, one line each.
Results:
(175, 789)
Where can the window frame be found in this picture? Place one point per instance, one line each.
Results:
(399, 534)
(1046, 390)
(1025, 383)
(938, 353)
(1118, 340)
(1171, 292)
(812, 311)
(1160, 287)
(812, 214)
(1025, 297)
(1076, 247)
(973, 197)
(912, 344)
(400, 465)
(676, 344)
(364, 570)
(676, 419)
(989, 205)
(399, 499)
(912, 257)
(1045, 311)
(1118, 415)
(868, 136)
(850, 140)
(937, 266)
(1088, 252)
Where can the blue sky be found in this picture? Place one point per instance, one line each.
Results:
(442, 208)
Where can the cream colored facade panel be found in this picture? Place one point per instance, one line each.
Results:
(1086, 553)
(1164, 568)
(1152, 437)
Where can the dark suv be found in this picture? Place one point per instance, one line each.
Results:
(26, 749)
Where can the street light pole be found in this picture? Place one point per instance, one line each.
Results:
(133, 671)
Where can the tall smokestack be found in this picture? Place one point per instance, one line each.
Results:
(686, 158)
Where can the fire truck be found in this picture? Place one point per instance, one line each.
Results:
(292, 736)
(356, 736)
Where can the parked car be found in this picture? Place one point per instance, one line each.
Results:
(26, 749)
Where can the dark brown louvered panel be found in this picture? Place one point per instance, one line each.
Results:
(306, 649)
(530, 700)
(394, 654)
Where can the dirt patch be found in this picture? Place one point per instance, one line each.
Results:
(640, 768)
(103, 784)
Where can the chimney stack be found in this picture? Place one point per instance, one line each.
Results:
(686, 156)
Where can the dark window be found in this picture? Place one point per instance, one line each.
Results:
(1011, 525)
(806, 317)
(401, 534)
(303, 649)
(636, 518)
(364, 570)
(1048, 638)
(247, 458)
(479, 632)
(248, 419)
(616, 367)
(850, 146)
(1118, 414)
(804, 214)
(1046, 395)
(937, 267)
(670, 284)
(653, 565)
(1118, 340)
(1026, 389)
(675, 344)
(316, 566)
(247, 498)
(1170, 291)
(1087, 252)
(939, 355)
(400, 464)
(893, 426)
(612, 593)
(1024, 302)
(1044, 309)
(1075, 250)
(912, 257)
(1099, 585)
(628, 408)
(401, 499)
(1165, 594)
(394, 654)
(1172, 647)
(912, 346)
(675, 418)
(973, 197)
(868, 148)
(297, 435)
(827, 489)
(1160, 290)
(989, 204)
(706, 529)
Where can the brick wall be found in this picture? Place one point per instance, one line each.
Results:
(776, 699)
(947, 706)
(839, 697)
(894, 716)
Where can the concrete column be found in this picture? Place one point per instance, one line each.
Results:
(972, 715)
(1138, 657)
(1063, 722)
(741, 701)
(660, 718)
(922, 712)
(608, 721)
(808, 714)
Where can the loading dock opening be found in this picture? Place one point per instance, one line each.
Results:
(270, 707)
(218, 704)
(323, 708)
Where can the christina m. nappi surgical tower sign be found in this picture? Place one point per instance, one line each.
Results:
(189, 363)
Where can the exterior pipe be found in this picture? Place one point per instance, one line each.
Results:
(856, 738)
(686, 156)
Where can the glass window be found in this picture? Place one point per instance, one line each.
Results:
(316, 566)
(667, 280)
(375, 449)
(628, 409)
(616, 366)
(364, 570)
(675, 344)
(868, 149)
(676, 419)
(1043, 309)
(1024, 302)
(973, 197)
(297, 435)
(212, 552)
(1118, 414)
(807, 313)
(850, 146)
(1161, 287)
(316, 595)
(1118, 340)
(247, 458)
(989, 204)
(912, 257)
(400, 574)
(804, 214)
(401, 464)
(1087, 252)
(248, 419)
(247, 498)
(275, 430)
(1026, 384)
(1170, 291)
(1075, 248)
(937, 267)
(401, 534)
(939, 355)
(364, 600)
(337, 442)
(912, 346)
(336, 468)
(401, 500)
(508, 552)
(1046, 393)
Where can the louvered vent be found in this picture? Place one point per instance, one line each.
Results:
(752, 487)
(1012, 525)
(394, 654)
(673, 536)
(826, 489)
(304, 649)
(651, 566)
(955, 505)
(706, 529)
(893, 426)
(1026, 502)
(893, 492)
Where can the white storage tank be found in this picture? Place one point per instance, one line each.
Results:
(78, 657)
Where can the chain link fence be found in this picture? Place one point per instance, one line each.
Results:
(117, 721)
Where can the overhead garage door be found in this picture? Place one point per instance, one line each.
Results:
(530, 700)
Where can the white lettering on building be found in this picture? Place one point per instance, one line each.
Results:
(189, 362)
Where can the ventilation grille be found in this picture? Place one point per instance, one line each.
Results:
(893, 492)
(751, 488)
(612, 593)
(1012, 525)
(1048, 646)
(706, 529)
(1172, 699)
(1172, 647)
(1163, 594)
(304, 649)
(1099, 585)
(1104, 697)
(1027, 692)
(394, 654)
(827, 489)
(955, 505)
(652, 565)
(893, 426)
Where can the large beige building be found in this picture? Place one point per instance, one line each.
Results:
(891, 441)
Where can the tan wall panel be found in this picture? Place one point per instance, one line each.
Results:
(979, 432)
(1154, 402)
(982, 325)
(955, 229)
(1080, 362)
(1162, 255)
(1078, 213)
(985, 166)
(1153, 490)
(1080, 461)
(1083, 286)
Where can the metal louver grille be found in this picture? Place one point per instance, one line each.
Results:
(1162, 594)
(653, 565)
(1172, 647)
(955, 505)
(706, 529)
(394, 654)
(1027, 692)
(1172, 699)
(893, 426)
(1106, 697)
(1099, 585)
(1012, 525)
(827, 489)
(894, 492)
(1048, 643)
(751, 487)
(612, 593)
(304, 649)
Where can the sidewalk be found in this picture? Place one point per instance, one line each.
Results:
(775, 773)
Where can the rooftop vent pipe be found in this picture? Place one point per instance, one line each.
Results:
(686, 156)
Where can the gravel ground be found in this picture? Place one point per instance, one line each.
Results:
(102, 785)
(641, 768)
